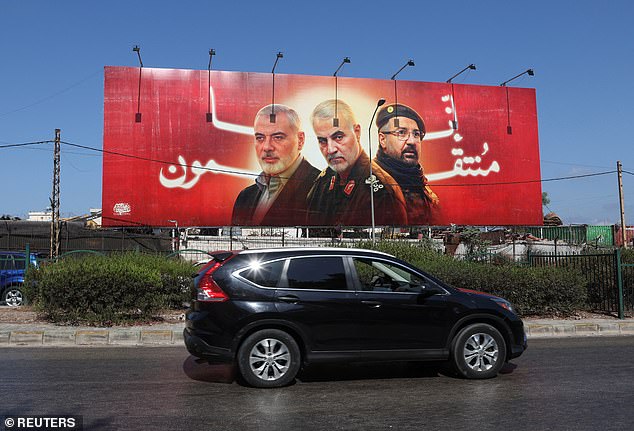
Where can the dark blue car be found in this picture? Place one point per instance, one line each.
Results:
(12, 269)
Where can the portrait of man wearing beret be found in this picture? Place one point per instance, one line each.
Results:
(401, 133)
(341, 193)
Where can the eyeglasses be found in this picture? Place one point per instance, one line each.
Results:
(404, 134)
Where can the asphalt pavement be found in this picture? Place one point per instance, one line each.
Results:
(38, 334)
(574, 383)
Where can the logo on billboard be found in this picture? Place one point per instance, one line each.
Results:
(122, 208)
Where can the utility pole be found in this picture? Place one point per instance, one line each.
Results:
(55, 222)
(619, 169)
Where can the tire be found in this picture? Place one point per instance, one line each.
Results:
(478, 352)
(13, 296)
(269, 358)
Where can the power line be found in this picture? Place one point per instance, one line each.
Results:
(131, 156)
(229, 171)
(572, 177)
(573, 164)
(25, 144)
(252, 174)
(44, 99)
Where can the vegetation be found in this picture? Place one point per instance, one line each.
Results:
(106, 290)
(532, 291)
(130, 287)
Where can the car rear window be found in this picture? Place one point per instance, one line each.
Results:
(324, 273)
(267, 275)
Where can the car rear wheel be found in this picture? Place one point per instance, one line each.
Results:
(269, 358)
(478, 352)
(13, 296)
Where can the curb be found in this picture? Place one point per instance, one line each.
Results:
(25, 335)
(579, 328)
(20, 335)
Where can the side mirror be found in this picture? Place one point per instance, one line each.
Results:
(427, 291)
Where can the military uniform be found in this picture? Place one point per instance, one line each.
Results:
(333, 203)
(420, 200)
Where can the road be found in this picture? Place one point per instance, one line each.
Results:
(558, 384)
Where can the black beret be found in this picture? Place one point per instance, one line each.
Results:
(398, 110)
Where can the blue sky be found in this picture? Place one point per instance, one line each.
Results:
(53, 54)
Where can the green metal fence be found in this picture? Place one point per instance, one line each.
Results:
(610, 282)
(580, 234)
(626, 285)
(610, 278)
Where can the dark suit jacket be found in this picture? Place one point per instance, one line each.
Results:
(289, 208)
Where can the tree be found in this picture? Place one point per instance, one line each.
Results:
(545, 199)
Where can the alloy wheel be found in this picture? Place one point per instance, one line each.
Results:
(269, 359)
(481, 352)
(13, 297)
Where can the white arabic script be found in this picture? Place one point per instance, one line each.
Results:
(461, 169)
(197, 169)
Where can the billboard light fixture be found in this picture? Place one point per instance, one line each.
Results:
(137, 116)
(410, 62)
(454, 122)
(209, 116)
(335, 120)
(137, 49)
(277, 58)
(529, 72)
(469, 67)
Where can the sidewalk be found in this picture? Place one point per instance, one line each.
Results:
(38, 335)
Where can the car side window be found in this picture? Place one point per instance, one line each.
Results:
(266, 275)
(7, 263)
(19, 262)
(320, 272)
(381, 276)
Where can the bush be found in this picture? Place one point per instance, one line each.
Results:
(532, 291)
(106, 290)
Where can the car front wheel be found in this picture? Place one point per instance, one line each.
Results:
(479, 351)
(13, 296)
(269, 358)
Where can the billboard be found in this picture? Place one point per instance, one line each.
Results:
(206, 148)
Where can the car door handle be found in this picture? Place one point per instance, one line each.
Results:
(289, 298)
(372, 304)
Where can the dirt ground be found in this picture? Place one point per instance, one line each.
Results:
(25, 314)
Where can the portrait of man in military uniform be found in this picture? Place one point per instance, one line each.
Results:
(341, 193)
(278, 197)
(401, 133)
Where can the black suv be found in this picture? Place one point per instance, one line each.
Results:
(274, 310)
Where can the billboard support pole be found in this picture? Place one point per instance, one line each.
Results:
(372, 179)
(619, 169)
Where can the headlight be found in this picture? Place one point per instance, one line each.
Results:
(504, 304)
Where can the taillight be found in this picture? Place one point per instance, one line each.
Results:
(208, 290)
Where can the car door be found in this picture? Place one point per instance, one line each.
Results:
(396, 310)
(7, 269)
(315, 294)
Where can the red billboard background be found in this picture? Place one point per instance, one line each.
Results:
(176, 165)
